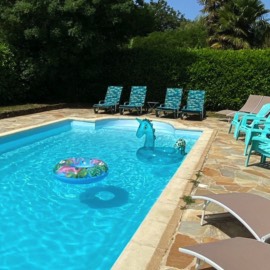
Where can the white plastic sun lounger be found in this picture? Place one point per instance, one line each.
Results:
(251, 210)
(232, 254)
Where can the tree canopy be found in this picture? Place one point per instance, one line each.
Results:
(190, 34)
(165, 17)
(58, 41)
(235, 24)
(57, 49)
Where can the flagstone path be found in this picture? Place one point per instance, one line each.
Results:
(222, 171)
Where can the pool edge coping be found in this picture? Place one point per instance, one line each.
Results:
(152, 239)
(149, 243)
(160, 253)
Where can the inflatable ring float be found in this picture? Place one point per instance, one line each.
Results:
(80, 170)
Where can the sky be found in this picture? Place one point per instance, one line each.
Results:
(191, 9)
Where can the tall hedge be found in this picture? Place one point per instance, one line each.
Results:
(154, 68)
(228, 77)
(10, 88)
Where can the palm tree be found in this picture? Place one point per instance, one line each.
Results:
(235, 24)
(211, 10)
(241, 25)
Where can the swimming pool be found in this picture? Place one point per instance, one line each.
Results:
(47, 224)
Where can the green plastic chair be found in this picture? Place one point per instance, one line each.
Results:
(257, 130)
(172, 102)
(249, 120)
(253, 100)
(111, 100)
(260, 145)
(195, 103)
(236, 120)
(252, 106)
(136, 100)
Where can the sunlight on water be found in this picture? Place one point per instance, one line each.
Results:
(48, 224)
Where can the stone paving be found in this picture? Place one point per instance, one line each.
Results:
(223, 171)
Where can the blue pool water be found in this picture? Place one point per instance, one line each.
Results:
(48, 224)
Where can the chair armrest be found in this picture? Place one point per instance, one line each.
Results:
(251, 117)
(238, 115)
(264, 132)
(101, 102)
(256, 130)
(257, 122)
(261, 138)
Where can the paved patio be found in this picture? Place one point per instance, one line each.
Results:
(222, 171)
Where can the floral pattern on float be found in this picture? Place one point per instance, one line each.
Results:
(80, 170)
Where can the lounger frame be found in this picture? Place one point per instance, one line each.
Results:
(208, 200)
(200, 258)
(231, 254)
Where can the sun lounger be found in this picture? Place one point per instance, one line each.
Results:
(265, 100)
(195, 103)
(136, 100)
(251, 210)
(232, 254)
(172, 102)
(249, 107)
(111, 100)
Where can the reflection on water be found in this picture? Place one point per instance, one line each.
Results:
(104, 197)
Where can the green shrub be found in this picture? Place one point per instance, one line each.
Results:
(157, 69)
(10, 88)
(188, 35)
(228, 77)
